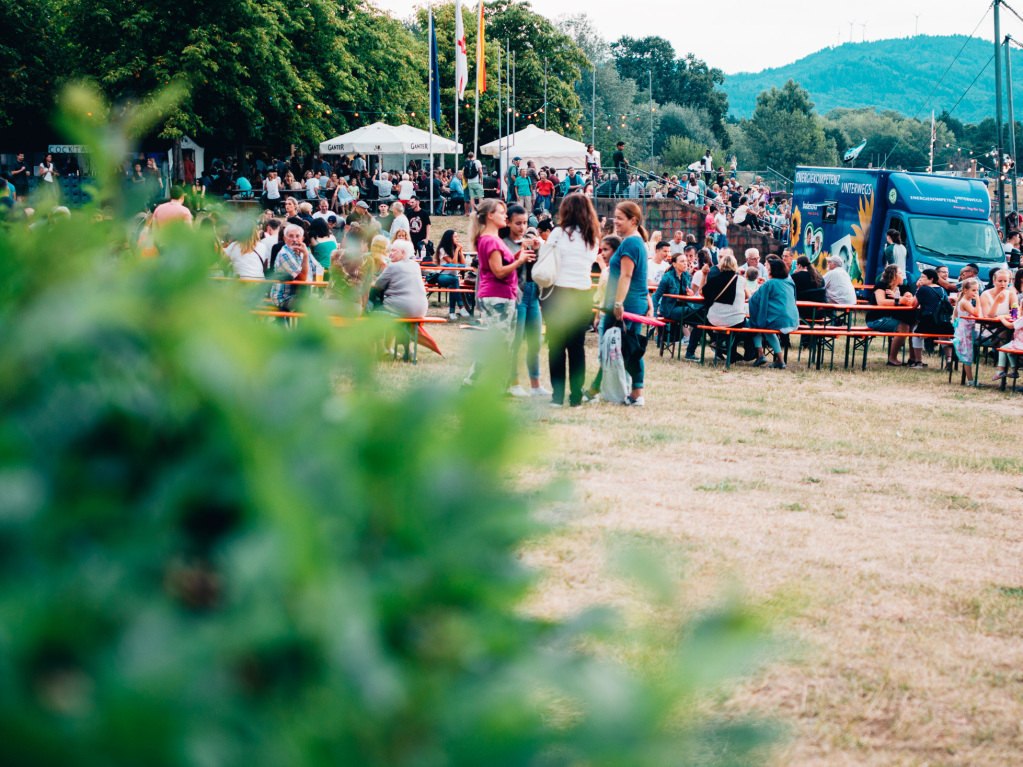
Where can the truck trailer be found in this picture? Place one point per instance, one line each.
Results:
(942, 221)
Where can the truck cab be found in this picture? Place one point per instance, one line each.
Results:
(942, 221)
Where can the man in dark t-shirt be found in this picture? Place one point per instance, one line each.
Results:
(19, 176)
(621, 166)
(418, 225)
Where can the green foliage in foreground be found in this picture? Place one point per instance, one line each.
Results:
(220, 544)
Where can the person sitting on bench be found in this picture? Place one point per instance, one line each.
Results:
(886, 293)
(773, 307)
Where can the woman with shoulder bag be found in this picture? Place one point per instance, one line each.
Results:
(726, 302)
(565, 264)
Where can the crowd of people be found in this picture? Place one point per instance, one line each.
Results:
(369, 239)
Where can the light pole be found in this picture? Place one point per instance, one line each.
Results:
(650, 74)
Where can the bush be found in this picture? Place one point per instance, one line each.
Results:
(680, 153)
(220, 544)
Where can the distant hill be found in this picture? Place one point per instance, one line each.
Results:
(888, 74)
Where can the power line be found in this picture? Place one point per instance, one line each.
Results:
(1011, 10)
(982, 71)
(942, 78)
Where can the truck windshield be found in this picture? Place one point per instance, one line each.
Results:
(960, 240)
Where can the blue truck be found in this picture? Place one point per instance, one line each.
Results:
(942, 220)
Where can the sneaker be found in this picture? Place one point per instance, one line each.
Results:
(999, 375)
(517, 391)
(589, 396)
(452, 317)
(539, 391)
(556, 404)
(760, 362)
(916, 366)
(635, 401)
(463, 312)
(778, 364)
(691, 357)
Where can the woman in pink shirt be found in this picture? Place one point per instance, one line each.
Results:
(497, 284)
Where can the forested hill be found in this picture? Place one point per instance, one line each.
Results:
(888, 74)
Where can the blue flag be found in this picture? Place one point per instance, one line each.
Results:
(434, 75)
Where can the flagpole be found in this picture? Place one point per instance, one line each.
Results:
(500, 123)
(930, 166)
(430, 94)
(479, 44)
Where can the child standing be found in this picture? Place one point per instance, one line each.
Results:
(965, 323)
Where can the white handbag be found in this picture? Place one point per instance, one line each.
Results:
(548, 262)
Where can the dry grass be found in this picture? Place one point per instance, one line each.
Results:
(880, 508)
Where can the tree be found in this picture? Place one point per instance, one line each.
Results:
(685, 122)
(687, 81)
(696, 85)
(271, 70)
(891, 138)
(642, 58)
(535, 40)
(680, 152)
(30, 52)
(786, 132)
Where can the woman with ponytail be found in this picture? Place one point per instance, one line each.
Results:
(627, 287)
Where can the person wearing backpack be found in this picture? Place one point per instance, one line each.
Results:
(473, 173)
(935, 313)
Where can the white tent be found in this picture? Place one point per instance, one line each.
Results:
(380, 138)
(543, 147)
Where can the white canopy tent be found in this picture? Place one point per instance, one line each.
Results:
(388, 141)
(540, 146)
(381, 138)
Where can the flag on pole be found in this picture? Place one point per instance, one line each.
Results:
(434, 74)
(461, 55)
(481, 62)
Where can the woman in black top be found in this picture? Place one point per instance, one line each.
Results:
(886, 293)
(934, 307)
(810, 287)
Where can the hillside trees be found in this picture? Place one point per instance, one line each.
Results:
(785, 131)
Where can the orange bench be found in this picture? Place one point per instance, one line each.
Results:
(414, 324)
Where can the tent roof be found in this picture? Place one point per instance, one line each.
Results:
(380, 138)
(533, 141)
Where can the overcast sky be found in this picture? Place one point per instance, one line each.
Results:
(748, 37)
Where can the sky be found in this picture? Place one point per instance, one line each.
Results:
(750, 37)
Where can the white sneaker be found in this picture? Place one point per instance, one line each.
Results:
(463, 312)
(452, 317)
(517, 391)
(637, 402)
(539, 391)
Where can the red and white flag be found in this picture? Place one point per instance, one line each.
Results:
(461, 57)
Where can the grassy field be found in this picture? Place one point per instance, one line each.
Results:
(877, 512)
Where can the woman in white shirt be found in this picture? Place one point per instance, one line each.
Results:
(271, 190)
(568, 308)
(244, 259)
(400, 219)
(406, 188)
(46, 169)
